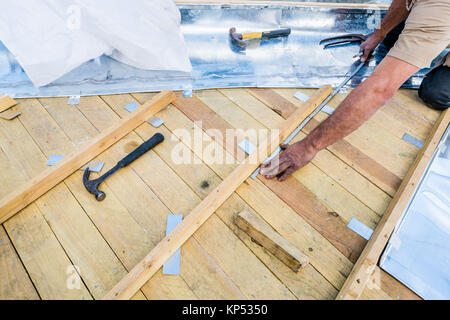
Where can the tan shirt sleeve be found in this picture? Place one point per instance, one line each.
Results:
(426, 33)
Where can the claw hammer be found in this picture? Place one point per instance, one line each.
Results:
(238, 38)
(92, 185)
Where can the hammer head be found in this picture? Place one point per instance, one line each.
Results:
(236, 38)
(92, 185)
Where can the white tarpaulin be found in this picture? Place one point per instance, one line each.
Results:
(52, 37)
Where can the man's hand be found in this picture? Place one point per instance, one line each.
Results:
(291, 159)
(370, 44)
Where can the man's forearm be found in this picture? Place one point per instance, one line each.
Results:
(395, 15)
(361, 103)
(359, 106)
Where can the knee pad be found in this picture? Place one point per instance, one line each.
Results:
(435, 88)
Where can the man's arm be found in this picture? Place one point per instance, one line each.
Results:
(359, 106)
(395, 15)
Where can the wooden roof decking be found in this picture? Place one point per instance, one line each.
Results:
(354, 178)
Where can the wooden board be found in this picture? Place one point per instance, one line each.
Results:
(6, 102)
(15, 283)
(264, 235)
(366, 264)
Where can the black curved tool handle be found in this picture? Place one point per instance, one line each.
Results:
(277, 33)
(142, 149)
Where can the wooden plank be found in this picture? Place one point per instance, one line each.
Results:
(6, 102)
(154, 260)
(15, 284)
(264, 234)
(43, 182)
(274, 101)
(366, 264)
(44, 258)
(40, 251)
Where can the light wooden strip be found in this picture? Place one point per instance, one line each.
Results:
(164, 250)
(264, 234)
(289, 3)
(6, 102)
(15, 284)
(43, 182)
(366, 264)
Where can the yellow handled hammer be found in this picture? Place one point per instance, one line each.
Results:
(238, 38)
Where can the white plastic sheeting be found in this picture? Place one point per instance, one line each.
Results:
(49, 38)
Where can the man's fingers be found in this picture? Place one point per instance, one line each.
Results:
(286, 174)
(273, 164)
(282, 167)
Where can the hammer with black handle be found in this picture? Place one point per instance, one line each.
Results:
(92, 185)
(238, 38)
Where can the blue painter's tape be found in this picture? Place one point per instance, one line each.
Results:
(303, 97)
(74, 100)
(360, 228)
(131, 107)
(410, 139)
(187, 93)
(172, 266)
(54, 158)
(247, 146)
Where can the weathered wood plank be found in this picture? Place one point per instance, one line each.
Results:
(6, 102)
(15, 284)
(264, 234)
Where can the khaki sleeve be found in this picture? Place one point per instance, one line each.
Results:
(426, 33)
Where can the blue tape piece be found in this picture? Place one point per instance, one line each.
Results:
(360, 228)
(74, 100)
(54, 158)
(155, 122)
(172, 266)
(247, 146)
(131, 107)
(187, 93)
(410, 139)
(303, 97)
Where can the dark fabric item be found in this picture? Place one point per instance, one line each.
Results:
(435, 88)
(392, 36)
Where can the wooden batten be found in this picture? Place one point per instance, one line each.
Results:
(261, 232)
